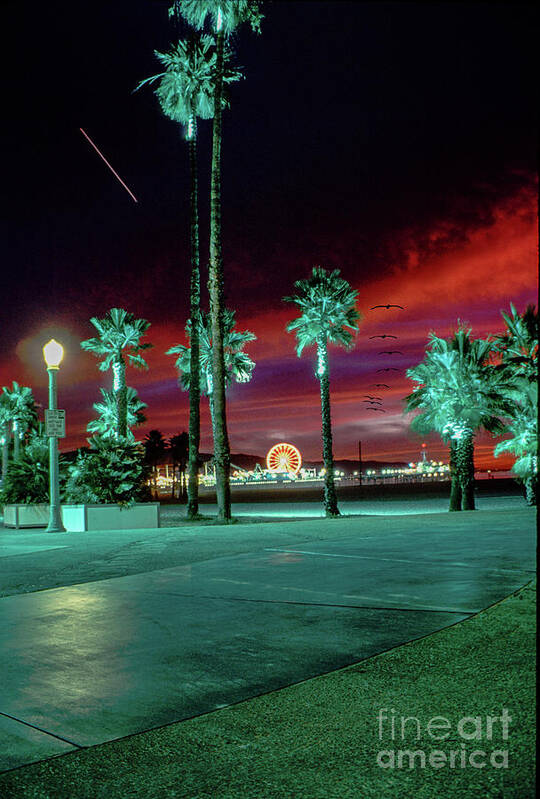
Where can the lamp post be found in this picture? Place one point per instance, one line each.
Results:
(53, 352)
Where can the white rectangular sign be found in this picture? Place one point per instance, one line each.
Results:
(55, 423)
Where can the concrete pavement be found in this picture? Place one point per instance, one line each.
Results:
(105, 658)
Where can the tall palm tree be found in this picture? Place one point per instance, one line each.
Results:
(225, 16)
(22, 411)
(105, 425)
(238, 365)
(328, 316)
(119, 334)
(185, 92)
(458, 391)
(518, 349)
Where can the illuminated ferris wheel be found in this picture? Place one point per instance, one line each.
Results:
(284, 458)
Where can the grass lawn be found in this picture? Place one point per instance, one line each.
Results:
(320, 739)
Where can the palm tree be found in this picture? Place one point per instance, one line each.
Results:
(22, 412)
(179, 449)
(5, 432)
(518, 348)
(523, 425)
(328, 315)
(519, 345)
(238, 365)
(458, 391)
(105, 425)
(185, 92)
(155, 447)
(119, 333)
(225, 16)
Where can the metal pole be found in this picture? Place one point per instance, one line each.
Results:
(55, 512)
(360, 463)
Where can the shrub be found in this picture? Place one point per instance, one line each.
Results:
(111, 471)
(27, 480)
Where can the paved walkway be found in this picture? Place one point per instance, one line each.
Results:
(99, 660)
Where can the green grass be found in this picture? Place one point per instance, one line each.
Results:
(319, 739)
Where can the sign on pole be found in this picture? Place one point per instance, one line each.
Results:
(55, 423)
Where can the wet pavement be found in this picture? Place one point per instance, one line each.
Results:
(92, 662)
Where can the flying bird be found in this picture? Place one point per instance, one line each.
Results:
(371, 396)
(384, 335)
(390, 352)
(372, 402)
(376, 409)
(380, 385)
(386, 306)
(388, 369)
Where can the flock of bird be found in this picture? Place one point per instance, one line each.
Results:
(373, 401)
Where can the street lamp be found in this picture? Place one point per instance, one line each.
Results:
(53, 352)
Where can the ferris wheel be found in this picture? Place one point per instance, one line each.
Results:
(284, 458)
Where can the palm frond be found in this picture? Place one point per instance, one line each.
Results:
(328, 306)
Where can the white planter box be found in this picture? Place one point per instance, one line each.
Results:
(26, 515)
(78, 518)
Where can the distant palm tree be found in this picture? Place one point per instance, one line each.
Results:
(21, 409)
(155, 447)
(225, 16)
(328, 316)
(119, 334)
(185, 92)
(179, 449)
(238, 365)
(458, 392)
(105, 425)
(518, 349)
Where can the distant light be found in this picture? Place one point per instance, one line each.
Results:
(53, 352)
(117, 176)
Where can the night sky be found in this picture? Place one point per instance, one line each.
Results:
(393, 141)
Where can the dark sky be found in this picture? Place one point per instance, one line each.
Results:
(394, 141)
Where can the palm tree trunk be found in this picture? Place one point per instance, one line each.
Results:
(6, 433)
(465, 470)
(16, 441)
(330, 496)
(212, 414)
(195, 303)
(222, 457)
(120, 393)
(531, 489)
(455, 488)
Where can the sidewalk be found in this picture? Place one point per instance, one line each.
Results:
(107, 658)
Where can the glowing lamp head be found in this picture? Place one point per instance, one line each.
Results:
(53, 352)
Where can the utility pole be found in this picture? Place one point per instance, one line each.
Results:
(360, 463)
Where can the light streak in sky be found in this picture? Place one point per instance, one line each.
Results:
(110, 167)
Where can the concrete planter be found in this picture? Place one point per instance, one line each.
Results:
(26, 516)
(78, 518)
